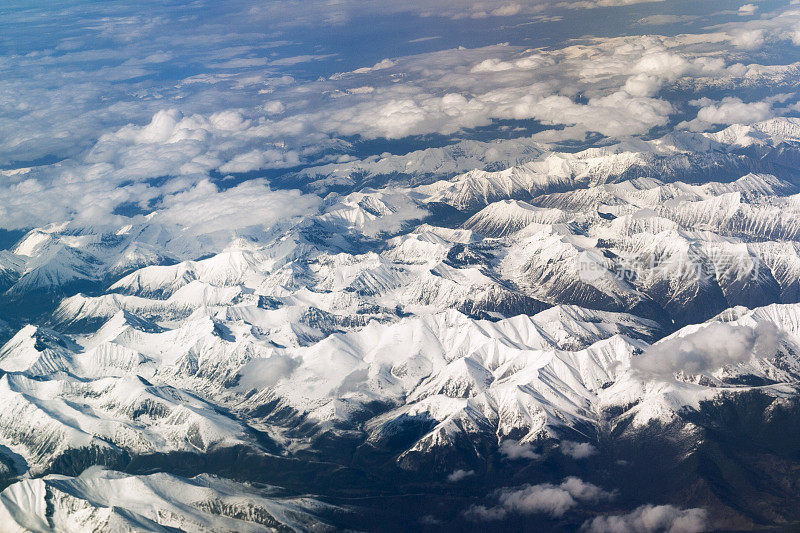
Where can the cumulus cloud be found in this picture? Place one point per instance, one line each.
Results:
(453, 90)
(267, 372)
(643, 85)
(393, 116)
(577, 450)
(547, 499)
(730, 110)
(118, 116)
(748, 9)
(517, 450)
(172, 144)
(616, 115)
(460, 475)
(260, 159)
(710, 348)
(204, 208)
(748, 39)
(91, 68)
(651, 519)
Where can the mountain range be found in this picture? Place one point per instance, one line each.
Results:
(453, 333)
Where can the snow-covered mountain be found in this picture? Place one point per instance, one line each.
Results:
(487, 307)
(112, 501)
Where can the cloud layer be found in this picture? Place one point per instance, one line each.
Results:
(547, 499)
(709, 348)
(651, 519)
(132, 105)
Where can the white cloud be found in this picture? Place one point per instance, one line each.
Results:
(662, 63)
(551, 500)
(203, 208)
(507, 10)
(460, 475)
(115, 115)
(515, 450)
(651, 519)
(577, 450)
(710, 348)
(380, 65)
(259, 159)
(748, 9)
(748, 39)
(643, 85)
(730, 110)
(266, 372)
(423, 39)
(173, 144)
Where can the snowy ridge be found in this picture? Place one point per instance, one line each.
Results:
(428, 321)
(107, 500)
